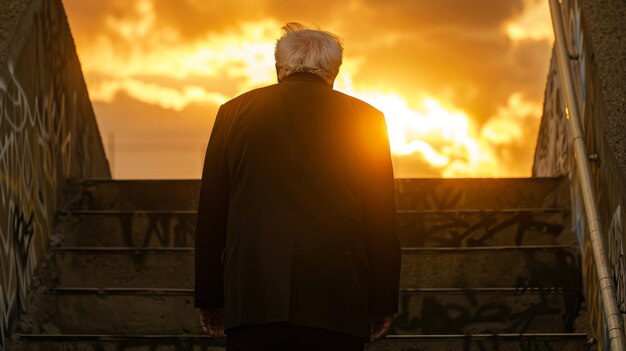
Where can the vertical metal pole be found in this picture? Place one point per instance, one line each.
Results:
(608, 295)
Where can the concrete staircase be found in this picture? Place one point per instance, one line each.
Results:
(488, 264)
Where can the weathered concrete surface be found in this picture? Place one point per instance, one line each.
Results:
(11, 12)
(137, 277)
(487, 343)
(438, 313)
(430, 229)
(434, 212)
(596, 33)
(106, 345)
(128, 229)
(502, 268)
(129, 195)
(117, 315)
(597, 40)
(126, 269)
(452, 268)
(412, 194)
(477, 312)
(48, 133)
(605, 33)
(460, 342)
(480, 194)
(482, 228)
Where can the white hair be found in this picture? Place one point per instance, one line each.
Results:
(301, 49)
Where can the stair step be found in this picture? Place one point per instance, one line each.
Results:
(487, 264)
(135, 194)
(119, 267)
(128, 228)
(537, 266)
(412, 194)
(476, 311)
(485, 228)
(421, 311)
(117, 313)
(62, 342)
(475, 194)
(416, 228)
(483, 342)
(479, 342)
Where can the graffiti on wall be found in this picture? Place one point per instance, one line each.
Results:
(553, 158)
(483, 229)
(46, 135)
(477, 194)
(135, 230)
(617, 259)
(486, 313)
(551, 152)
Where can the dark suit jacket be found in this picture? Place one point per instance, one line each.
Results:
(296, 215)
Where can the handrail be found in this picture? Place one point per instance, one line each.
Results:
(608, 295)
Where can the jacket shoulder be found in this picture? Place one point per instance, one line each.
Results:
(240, 99)
(359, 104)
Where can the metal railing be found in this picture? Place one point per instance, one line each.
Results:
(615, 325)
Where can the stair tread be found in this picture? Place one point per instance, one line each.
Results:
(495, 240)
(411, 193)
(202, 336)
(420, 312)
(400, 211)
(129, 267)
(427, 343)
(187, 291)
(113, 212)
(138, 249)
(428, 229)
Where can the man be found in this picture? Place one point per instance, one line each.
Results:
(296, 238)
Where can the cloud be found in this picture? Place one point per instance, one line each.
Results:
(472, 15)
(483, 59)
(194, 18)
(533, 23)
(156, 94)
(471, 60)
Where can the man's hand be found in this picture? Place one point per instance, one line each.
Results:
(212, 321)
(379, 326)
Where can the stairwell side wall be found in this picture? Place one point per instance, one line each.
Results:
(48, 134)
(596, 43)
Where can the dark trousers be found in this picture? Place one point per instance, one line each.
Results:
(284, 337)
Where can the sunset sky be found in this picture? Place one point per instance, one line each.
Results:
(461, 82)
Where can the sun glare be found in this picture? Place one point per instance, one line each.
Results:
(444, 137)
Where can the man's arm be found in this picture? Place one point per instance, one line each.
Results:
(379, 211)
(211, 220)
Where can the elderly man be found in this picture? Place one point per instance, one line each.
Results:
(296, 238)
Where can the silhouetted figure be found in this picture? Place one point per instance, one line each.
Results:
(296, 237)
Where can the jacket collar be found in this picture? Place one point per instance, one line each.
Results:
(305, 77)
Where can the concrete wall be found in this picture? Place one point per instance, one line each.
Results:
(48, 133)
(597, 43)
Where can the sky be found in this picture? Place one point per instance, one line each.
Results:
(461, 82)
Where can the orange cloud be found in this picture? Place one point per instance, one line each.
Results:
(459, 82)
(532, 24)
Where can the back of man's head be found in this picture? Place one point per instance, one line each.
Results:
(301, 49)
